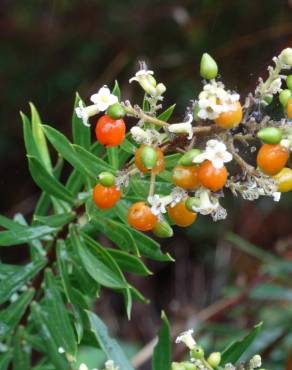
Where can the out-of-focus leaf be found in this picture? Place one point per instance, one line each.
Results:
(81, 133)
(234, 352)
(270, 291)
(56, 220)
(111, 348)
(129, 263)
(116, 90)
(164, 116)
(21, 352)
(171, 160)
(58, 319)
(10, 316)
(47, 182)
(42, 323)
(19, 279)
(141, 187)
(161, 359)
(5, 359)
(24, 234)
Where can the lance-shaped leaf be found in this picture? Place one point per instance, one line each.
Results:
(5, 359)
(30, 145)
(56, 221)
(80, 132)
(164, 116)
(21, 352)
(129, 263)
(110, 346)
(161, 359)
(47, 182)
(58, 318)
(116, 90)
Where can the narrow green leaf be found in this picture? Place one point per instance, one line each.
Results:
(271, 292)
(5, 359)
(89, 160)
(171, 160)
(164, 116)
(141, 187)
(59, 360)
(10, 316)
(233, 352)
(110, 347)
(58, 319)
(6, 270)
(9, 224)
(47, 182)
(56, 220)
(129, 263)
(43, 204)
(29, 142)
(161, 359)
(39, 138)
(81, 133)
(21, 352)
(127, 146)
(116, 90)
(24, 234)
(75, 182)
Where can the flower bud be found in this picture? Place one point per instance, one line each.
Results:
(106, 179)
(286, 56)
(152, 80)
(284, 96)
(270, 135)
(284, 180)
(177, 366)
(289, 82)
(208, 67)
(267, 99)
(116, 111)
(163, 230)
(214, 359)
(189, 366)
(188, 157)
(149, 157)
(160, 89)
(197, 352)
(192, 202)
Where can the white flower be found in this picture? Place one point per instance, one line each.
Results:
(177, 195)
(275, 86)
(61, 350)
(157, 204)
(146, 80)
(286, 57)
(85, 113)
(255, 362)
(184, 127)
(186, 338)
(206, 204)
(140, 135)
(276, 196)
(216, 153)
(83, 367)
(103, 98)
(141, 74)
(110, 365)
(287, 143)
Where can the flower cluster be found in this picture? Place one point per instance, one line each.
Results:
(182, 168)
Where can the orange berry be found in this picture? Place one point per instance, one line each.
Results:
(212, 178)
(159, 164)
(110, 132)
(141, 217)
(289, 108)
(272, 158)
(185, 176)
(180, 215)
(231, 118)
(106, 197)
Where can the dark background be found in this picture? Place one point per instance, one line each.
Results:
(50, 49)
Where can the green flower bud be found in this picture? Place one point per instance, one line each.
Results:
(289, 82)
(116, 111)
(270, 135)
(197, 352)
(189, 366)
(214, 359)
(106, 179)
(286, 56)
(187, 158)
(177, 366)
(149, 157)
(208, 67)
(284, 96)
(192, 202)
(163, 230)
(268, 99)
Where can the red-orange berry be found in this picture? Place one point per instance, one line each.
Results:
(159, 164)
(289, 108)
(180, 215)
(212, 178)
(106, 197)
(231, 118)
(271, 158)
(185, 176)
(109, 131)
(141, 217)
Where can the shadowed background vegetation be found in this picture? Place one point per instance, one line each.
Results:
(50, 49)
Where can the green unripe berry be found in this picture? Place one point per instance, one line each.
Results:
(284, 96)
(289, 82)
(187, 158)
(116, 111)
(192, 202)
(197, 352)
(208, 67)
(106, 179)
(270, 135)
(149, 157)
(163, 230)
(214, 359)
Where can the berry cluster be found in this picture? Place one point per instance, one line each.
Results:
(192, 156)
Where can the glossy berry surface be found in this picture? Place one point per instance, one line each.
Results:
(109, 131)
(212, 178)
(180, 215)
(185, 177)
(106, 197)
(271, 158)
(140, 217)
(159, 163)
(284, 180)
(289, 108)
(230, 118)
